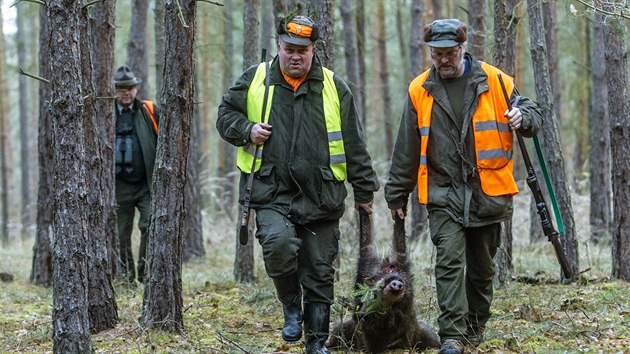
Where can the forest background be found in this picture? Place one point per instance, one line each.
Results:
(534, 312)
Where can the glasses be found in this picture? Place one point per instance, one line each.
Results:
(450, 55)
(124, 89)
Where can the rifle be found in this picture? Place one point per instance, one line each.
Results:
(243, 232)
(549, 230)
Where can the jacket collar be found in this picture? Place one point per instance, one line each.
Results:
(276, 78)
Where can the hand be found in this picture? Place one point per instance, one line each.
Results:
(515, 117)
(365, 206)
(398, 213)
(260, 133)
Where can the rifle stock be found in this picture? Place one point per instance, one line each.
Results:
(243, 231)
(541, 206)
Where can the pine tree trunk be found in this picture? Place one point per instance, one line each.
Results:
(163, 302)
(244, 260)
(550, 141)
(351, 54)
(4, 183)
(384, 79)
(226, 160)
(619, 112)
(193, 233)
(600, 162)
(503, 58)
(477, 28)
(24, 122)
(102, 19)
(360, 15)
(41, 270)
(323, 13)
(70, 318)
(137, 58)
(158, 29)
(101, 298)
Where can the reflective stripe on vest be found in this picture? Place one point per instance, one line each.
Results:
(492, 134)
(332, 114)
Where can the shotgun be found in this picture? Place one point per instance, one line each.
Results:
(541, 206)
(243, 232)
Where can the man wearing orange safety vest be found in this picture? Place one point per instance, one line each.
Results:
(136, 145)
(455, 144)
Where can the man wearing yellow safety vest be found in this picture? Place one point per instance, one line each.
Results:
(310, 141)
(455, 144)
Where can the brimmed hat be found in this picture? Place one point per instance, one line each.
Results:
(124, 77)
(301, 31)
(445, 33)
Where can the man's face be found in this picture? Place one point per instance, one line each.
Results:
(295, 60)
(126, 95)
(449, 62)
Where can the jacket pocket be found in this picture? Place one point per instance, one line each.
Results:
(265, 186)
(332, 193)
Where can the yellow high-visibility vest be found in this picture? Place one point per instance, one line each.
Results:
(332, 114)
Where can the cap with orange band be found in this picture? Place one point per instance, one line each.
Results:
(301, 31)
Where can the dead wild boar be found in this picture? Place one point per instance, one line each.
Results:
(384, 317)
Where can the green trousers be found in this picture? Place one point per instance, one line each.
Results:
(464, 269)
(308, 250)
(130, 196)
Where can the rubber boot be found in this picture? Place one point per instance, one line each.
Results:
(290, 295)
(316, 327)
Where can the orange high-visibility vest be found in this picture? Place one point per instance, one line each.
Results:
(493, 136)
(149, 106)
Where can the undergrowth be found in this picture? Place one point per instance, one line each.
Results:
(532, 314)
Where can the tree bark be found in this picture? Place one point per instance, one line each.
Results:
(193, 232)
(616, 55)
(384, 79)
(360, 15)
(601, 190)
(504, 58)
(163, 302)
(244, 259)
(226, 151)
(102, 307)
(351, 54)
(323, 13)
(250, 33)
(103, 17)
(477, 28)
(4, 148)
(158, 29)
(24, 122)
(136, 46)
(41, 270)
(550, 141)
(70, 318)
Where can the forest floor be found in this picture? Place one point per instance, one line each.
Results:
(532, 314)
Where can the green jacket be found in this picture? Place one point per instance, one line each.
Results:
(454, 186)
(147, 136)
(295, 176)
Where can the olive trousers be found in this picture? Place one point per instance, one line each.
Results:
(464, 269)
(130, 196)
(308, 249)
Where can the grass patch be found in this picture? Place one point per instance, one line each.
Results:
(221, 316)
